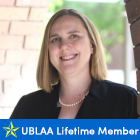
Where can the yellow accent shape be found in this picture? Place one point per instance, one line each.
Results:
(11, 130)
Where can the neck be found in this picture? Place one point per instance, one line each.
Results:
(74, 87)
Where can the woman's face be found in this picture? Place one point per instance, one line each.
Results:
(69, 47)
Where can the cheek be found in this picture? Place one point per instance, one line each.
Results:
(53, 49)
(78, 45)
(53, 53)
(82, 45)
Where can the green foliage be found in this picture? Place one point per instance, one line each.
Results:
(107, 18)
(55, 5)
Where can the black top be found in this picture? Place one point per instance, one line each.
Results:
(105, 100)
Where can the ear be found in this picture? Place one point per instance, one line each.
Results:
(91, 48)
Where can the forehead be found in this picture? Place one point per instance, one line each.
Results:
(67, 22)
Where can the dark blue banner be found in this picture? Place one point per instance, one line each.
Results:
(69, 129)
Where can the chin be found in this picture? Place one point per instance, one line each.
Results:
(69, 70)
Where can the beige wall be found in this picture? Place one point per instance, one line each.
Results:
(21, 30)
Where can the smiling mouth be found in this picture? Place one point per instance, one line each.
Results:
(64, 58)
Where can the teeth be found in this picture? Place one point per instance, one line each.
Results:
(68, 57)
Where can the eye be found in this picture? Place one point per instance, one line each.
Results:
(55, 40)
(74, 36)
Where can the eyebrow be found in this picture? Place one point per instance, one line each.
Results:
(54, 35)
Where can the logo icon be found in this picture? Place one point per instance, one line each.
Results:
(11, 130)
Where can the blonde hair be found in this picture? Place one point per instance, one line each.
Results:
(47, 75)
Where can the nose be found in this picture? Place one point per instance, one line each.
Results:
(64, 45)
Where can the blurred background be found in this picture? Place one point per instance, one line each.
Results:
(22, 24)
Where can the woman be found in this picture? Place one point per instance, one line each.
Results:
(71, 72)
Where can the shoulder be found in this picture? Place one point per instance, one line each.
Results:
(106, 88)
(36, 95)
(120, 99)
(34, 100)
(33, 105)
(40, 94)
(119, 89)
(30, 105)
